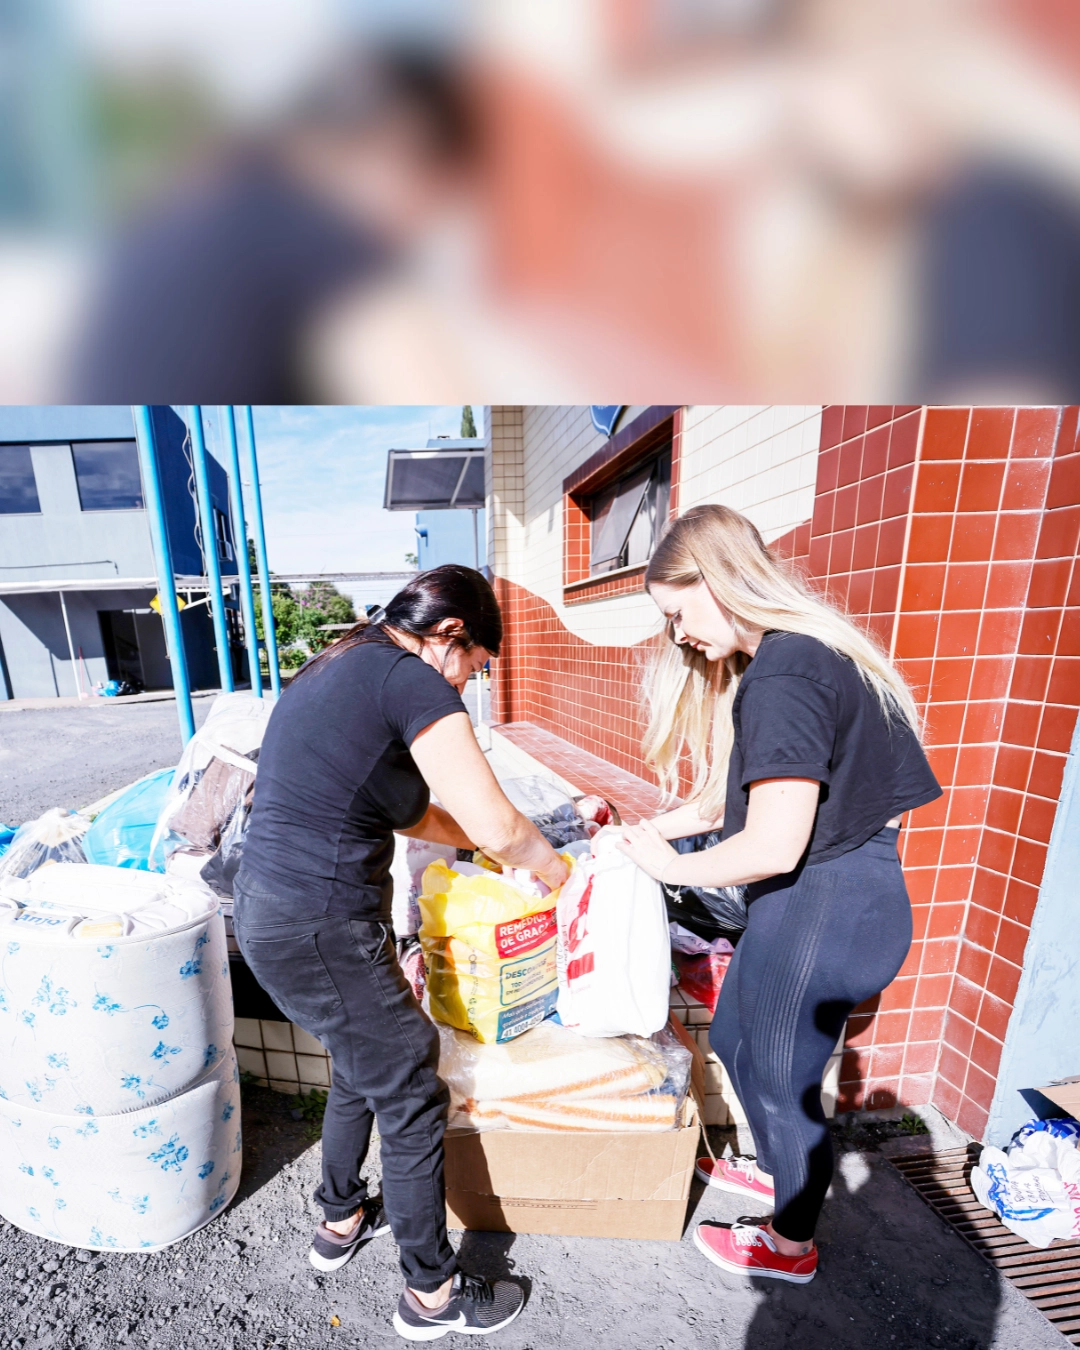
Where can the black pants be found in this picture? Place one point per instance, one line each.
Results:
(339, 979)
(818, 942)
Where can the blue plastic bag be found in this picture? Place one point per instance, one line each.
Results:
(122, 834)
(7, 834)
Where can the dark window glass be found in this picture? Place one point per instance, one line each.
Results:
(629, 517)
(108, 475)
(224, 536)
(18, 490)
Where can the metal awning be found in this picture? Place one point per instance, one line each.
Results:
(435, 480)
(102, 584)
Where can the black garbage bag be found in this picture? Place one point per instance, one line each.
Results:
(709, 911)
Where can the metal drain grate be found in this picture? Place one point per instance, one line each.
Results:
(1049, 1277)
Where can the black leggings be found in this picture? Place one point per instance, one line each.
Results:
(819, 941)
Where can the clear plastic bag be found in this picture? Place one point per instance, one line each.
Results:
(549, 809)
(55, 837)
(220, 872)
(214, 775)
(551, 1078)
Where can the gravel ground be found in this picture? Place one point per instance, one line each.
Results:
(72, 756)
(893, 1275)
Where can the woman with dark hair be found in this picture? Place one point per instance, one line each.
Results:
(365, 730)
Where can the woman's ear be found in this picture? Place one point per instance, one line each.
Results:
(449, 628)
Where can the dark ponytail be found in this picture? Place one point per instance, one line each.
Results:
(448, 592)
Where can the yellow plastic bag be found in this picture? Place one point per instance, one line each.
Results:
(489, 947)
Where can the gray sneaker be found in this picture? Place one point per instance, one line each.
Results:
(330, 1250)
(476, 1307)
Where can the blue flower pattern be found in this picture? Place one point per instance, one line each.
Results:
(171, 1155)
(56, 999)
(53, 997)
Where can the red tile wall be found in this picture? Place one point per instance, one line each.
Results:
(553, 679)
(974, 587)
(954, 533)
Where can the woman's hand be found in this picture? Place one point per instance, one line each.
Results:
(554, 874)
(645, 845)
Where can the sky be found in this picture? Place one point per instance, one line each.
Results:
(322, 472)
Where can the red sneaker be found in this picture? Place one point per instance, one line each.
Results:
(733, 1174)
(745, 1249)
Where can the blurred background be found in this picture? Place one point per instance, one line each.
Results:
(274, 201)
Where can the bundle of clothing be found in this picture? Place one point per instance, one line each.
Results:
(1034, 1185)
(551, 1078)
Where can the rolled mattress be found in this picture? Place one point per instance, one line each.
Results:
(114, 988)
(131, 1182)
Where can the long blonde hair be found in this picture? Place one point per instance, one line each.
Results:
(688, 698)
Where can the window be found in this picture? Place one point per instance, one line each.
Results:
(108, 475)
(628, 518)
(223, 534)
(18, 490)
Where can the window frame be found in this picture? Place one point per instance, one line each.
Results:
(226, 549)
(652, 431)
(76, 446)
(657, 459)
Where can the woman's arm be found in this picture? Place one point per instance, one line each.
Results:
(454, 767)
(685, 820)
(439, 827)
(779, 821)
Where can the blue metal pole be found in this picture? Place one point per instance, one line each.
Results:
(210, 547)
(269, 628)
(159, 537)
(247, 595)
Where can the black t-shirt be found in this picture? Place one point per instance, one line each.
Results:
(803, 711)
(336, 779)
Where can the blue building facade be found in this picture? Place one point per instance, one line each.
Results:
(77, 571)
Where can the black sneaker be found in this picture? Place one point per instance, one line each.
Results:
(330, 1251)
(475, 1308)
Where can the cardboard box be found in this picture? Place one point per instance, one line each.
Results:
(587, 1184)
(1064, 1092)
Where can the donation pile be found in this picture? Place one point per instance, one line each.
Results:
(1034, 1186)
(119, 1090)
(489, 946)
(550, 1078)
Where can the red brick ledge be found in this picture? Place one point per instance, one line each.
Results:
(631, 796)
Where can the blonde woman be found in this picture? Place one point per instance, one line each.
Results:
(803, 744)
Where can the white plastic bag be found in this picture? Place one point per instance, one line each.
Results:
(1034, 1188)
(614, 954)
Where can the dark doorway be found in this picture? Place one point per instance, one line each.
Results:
(121, 643)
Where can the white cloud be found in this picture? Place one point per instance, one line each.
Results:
(322, 472)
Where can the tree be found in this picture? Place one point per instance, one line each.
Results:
(321, 603)
(468, 425)
(412, 560)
